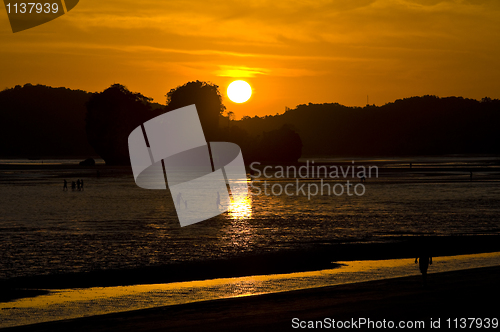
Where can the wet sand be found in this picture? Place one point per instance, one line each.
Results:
(320, 257)
(465, 293)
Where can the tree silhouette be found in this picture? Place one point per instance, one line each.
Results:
(230, 117)
(38, 121)
(208, 101)
(426, 125)
(283, 145)
(111, 117)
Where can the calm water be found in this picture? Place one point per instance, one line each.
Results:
(114, 224)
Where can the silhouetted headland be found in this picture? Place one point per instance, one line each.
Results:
(40, 120)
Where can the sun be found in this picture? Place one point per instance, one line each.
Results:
(239, 91)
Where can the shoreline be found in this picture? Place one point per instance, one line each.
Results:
(456, 294)
(320, 257)
(433, 163)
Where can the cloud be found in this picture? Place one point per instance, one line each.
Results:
(286, 22)
(235, 71)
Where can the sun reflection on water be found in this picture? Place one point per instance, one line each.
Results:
(240, 208)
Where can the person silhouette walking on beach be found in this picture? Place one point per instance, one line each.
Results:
(65, 186)
(217, 202)
(424, 260)
(178, 200)
(81, 184)
(73, 185)
(78, 185)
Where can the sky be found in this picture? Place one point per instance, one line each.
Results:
(290, 51)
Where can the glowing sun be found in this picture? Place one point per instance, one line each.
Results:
(239, 91)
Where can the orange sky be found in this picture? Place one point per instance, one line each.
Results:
(291, 52)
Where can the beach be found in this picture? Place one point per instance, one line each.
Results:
(449, 295)
(255, 267)
(26, 308)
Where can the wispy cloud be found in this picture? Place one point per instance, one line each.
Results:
(235, 71)
(284, 21)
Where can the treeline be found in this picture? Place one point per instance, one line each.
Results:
(40, 121)
(110, 118)
(424, 125)
(115, 112)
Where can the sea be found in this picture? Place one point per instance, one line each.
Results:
(112, 224)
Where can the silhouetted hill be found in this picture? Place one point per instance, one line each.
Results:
(37, 120)
(111, 116)
(113, 113)
(411, 126)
